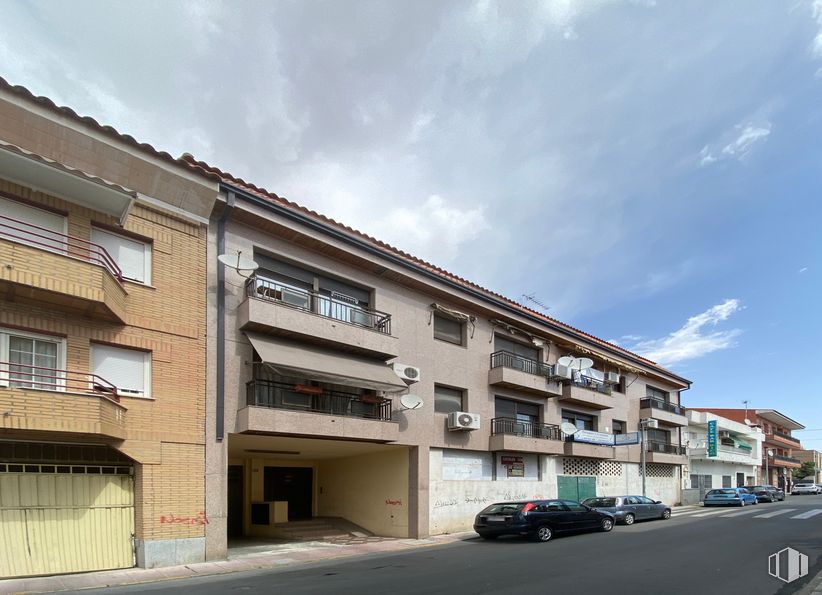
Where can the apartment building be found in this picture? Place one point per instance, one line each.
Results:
(734, 462)
(354, 380)
(102, 345)
(811, 456)
(778, 444)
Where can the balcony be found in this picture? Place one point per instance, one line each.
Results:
(587, 392)
(783, 461)
(60, 270)
(660, 452)
(508, 434)
(310, 411)
(730, 454)
(660, 410)
(320, 319)
(52, 400)
(782, 439)
(589, 451)
(519, 373)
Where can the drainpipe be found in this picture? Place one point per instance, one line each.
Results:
(224, 216)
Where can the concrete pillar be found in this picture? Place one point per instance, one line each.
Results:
(418, 492)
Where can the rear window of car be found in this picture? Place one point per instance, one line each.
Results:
(504, 508)
(803, 485)
(595, 502)
(755, 488)
(716, 492)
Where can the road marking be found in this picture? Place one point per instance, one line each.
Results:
(687, 512)
(702, 514)
(809, 514)
(770, 515)
(740, 513)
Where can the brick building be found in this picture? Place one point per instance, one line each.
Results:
(102, 345)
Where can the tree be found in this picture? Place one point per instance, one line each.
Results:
(806, 470)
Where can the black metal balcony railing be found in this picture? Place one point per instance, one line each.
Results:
(591, 384)
(662, 405)
(316, 303)
(315, 399)
(784, 436)
(46, 239)
(671, 449)
(515, 427)
(784, 459)
(506, 359)
(17, 375)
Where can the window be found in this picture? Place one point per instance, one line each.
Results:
(726, 481)
(574, 506)
(620, 386)
(655, 393)
(618, 427)
(447, 329)
(522, 412)
(526, 351)
(447, 400)
(34, 361)
(132, 256)
(36, 227)
(580, 420)
(657, 435)
(127, 369)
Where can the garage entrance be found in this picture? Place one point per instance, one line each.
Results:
(576, 487)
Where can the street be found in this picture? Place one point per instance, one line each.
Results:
(698, 551)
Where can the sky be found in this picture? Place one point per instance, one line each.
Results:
(649, 171)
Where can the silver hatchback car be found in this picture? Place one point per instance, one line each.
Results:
(628, 509)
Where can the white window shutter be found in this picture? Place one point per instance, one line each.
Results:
(54, 223)
(124, 368)
(130, 255)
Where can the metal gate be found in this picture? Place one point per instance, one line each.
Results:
(703, 483)
(56, 519)
(576, 487)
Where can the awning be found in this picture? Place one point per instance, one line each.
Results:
(315, 363)
(740, 444)
(62, 181)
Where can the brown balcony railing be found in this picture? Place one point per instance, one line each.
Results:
(311, 301)
(591, 384)
(46, 239)
(17, 375)
(515, 427)
(506, 359)
(784, 459)
(671, 449)
(315, 399)
(783, 436)
(661, 405)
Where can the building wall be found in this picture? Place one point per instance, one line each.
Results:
(811, 456)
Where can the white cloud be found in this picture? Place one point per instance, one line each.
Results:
(802, 270)
(816, 45)
(694, 339)
(737, 144)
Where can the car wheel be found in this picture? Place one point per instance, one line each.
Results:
(666, 514)
(629, 519)
(607, 525)
(544, 533)
(742, 502)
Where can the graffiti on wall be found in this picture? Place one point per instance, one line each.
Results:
(172, 519)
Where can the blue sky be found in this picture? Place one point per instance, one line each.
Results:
(649, 170)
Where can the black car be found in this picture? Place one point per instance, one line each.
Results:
(766, 493)
(540, 519)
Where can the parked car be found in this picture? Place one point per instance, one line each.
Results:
(800, 489)
(766, 493)
(729, 497)
(627, 509)
(540, 519)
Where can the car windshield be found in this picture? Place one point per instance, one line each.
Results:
(599, 502)
(504, 508)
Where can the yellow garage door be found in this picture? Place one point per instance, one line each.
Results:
(78, 520)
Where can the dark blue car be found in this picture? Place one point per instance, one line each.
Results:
(540, 519)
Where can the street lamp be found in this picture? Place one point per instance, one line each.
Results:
(644, 424)
(768, 455)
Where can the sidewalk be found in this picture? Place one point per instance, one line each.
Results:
(812, 588)
(264, 557)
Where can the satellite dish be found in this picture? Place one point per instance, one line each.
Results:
(411, 401)
(568, 429)
(566, 361)
(582, 363)
(747, 422)
(238, 262)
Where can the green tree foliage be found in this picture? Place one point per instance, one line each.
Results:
(806, 470)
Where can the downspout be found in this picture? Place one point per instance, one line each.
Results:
(224, 216)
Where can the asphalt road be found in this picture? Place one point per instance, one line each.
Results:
(693, 554)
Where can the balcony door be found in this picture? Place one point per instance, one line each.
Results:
(31, 361)
(525, 415)
(25, 224)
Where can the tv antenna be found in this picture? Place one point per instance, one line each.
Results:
(239, 263)
(535, 300)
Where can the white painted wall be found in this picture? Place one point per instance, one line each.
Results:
(716, 469)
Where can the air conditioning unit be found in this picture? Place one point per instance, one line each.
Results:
(408, 373)
(724, 434)
(460, 420)
(561, 373)
(611, 378)
(651, 423)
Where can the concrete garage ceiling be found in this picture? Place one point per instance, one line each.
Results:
(282, 447)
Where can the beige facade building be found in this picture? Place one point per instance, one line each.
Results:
(811, 456)
(352, 380)
(102, 345)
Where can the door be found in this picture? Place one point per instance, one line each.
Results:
(740, 480)
(576, 488)
(56, 523)
(703, 483)
(235, 501)
(635, 505)
(294, 485)
(579, 517)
